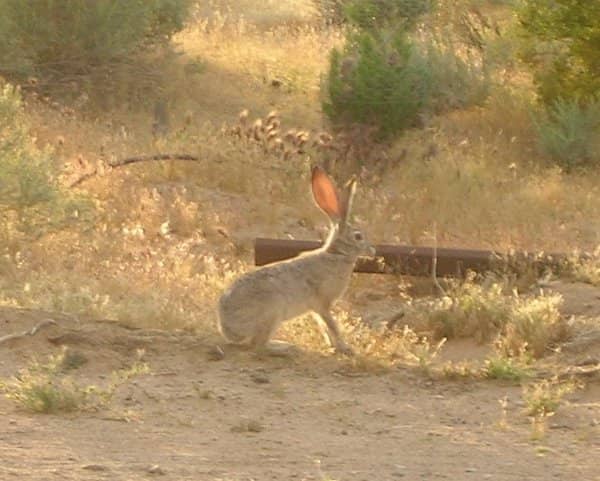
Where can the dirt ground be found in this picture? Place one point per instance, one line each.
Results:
(310, 417)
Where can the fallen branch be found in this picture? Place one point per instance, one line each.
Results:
(31, 332)
(133, 160)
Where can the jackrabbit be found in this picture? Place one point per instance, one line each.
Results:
(253, 307)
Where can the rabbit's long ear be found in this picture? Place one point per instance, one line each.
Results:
(350, 190)
(325, 194)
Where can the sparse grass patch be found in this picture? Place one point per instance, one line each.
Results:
(294, 57)
(460, 370)
(584, 268)
(396, 345)
(32, 202)
(506, 368)
(543, 398)
(44, 387)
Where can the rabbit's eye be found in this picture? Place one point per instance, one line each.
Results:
(358, 236)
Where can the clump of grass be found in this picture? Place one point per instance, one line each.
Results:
(535, 325)
(506, 368)
(399, 344)
(543, 398)
(469, 309)
(44, 387)
(584, 268)
(518, 322)
(460, 370)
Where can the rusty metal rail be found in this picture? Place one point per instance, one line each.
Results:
(415, 261)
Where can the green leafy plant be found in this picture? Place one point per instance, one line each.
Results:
(567, 132)
(561, 42)
(389, 77)
(506, 368)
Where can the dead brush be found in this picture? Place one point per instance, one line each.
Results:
(344, 152)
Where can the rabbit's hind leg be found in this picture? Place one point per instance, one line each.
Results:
(263, 344)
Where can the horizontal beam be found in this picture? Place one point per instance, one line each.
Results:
(410, 260)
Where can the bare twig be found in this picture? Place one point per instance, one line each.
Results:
(132, 160)
(434, 262)
(31, 332)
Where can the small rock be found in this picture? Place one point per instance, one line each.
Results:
(470, 470)
(95, 467)
(156, 469)
(255, 427)
(260, 378)
(251, 426)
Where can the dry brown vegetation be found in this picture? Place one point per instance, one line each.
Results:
(165, 237)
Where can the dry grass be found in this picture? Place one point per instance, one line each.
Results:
(47, 387)
(167, 237)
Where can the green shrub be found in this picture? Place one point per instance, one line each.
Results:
(561, 42)
(55, 39)
(390, 81)
(31, 200)
(506, 368)
(568, 133)
(379, 82)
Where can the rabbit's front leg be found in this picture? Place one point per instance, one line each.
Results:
(334, 333)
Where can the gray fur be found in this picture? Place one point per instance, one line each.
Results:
(255, 305)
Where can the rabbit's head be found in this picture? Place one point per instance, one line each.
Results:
(344, 238)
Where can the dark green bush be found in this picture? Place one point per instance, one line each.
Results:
(561, 42)
(390, 77)
(391, 81)
(379, 83)
(54, 38)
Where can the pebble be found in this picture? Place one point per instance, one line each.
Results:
(156, 469)
(95, 467)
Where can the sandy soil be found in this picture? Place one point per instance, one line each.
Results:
(250, 418)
